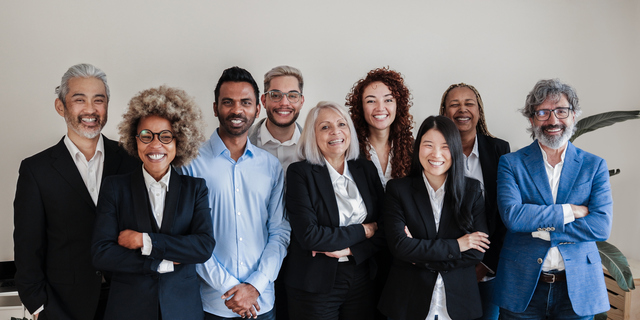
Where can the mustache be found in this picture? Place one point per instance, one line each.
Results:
(236, 116)
(554, 126)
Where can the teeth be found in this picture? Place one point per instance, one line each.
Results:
(156, 156)
(463, 119)
(285, 113)
(380, 116)
(436, 163)
(336, 141)
(553, 130)
(236, 121)
(88, 119)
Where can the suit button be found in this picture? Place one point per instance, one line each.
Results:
(553, 229)
(426, 264)
(450, 256)
(539, 260)
(540, 229)
(98, 273)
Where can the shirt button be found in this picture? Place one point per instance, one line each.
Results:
(539, 260)
(238, 212)
(240, 238)
(92, 189)
(241, 263)
(237, 190)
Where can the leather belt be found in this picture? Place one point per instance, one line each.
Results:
(553, 277)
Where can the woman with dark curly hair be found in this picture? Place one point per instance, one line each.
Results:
(379, 106)
(482, 151)
(153, 225)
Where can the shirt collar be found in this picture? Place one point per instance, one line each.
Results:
(265, 136)
(75, 152)
(150, 181)
(434, 193)
(475, 148)
(218, 147)
(334, 175)
(544, 154)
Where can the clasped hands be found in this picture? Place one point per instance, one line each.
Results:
(369, 230)
(243, 300)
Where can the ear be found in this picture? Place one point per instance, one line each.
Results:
(59, 107)
(263, 99)
(531, 121)
(257, 109)
(215, 109)
(301, 100)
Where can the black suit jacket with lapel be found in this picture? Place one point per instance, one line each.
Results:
(185, 236)
(53, 217)
(490, 150)
(419, 260)
(315, 223)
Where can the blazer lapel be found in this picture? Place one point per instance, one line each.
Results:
(171, 202)
(534, 163)
(421, 198)
(141, 205)
(570, 170)
(112, 157)
(64, 164)
(488, 163)
(357, 172)
(323, 182)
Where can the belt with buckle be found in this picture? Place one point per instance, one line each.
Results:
(553, 277)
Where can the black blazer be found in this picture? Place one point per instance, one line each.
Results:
(418, 260)
(54, 216)
(185, 236)
(490, 150)
(315, 223)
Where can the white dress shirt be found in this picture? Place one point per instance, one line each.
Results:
(157, 191)
(351, 206)
(472, 167)
(286, 152)
(385, 175)
(438, 304)
(91, 171)
(553, 260)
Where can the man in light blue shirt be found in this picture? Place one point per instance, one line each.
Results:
(245, 192)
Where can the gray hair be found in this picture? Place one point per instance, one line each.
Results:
(83, 70)
(308, 146)
(553, 89)
(282, 71)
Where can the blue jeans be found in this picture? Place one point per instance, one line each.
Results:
(271, 315)
(549, 301)
(490, 311)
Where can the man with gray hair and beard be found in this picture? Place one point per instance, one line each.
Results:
(555, 201)
(55, 205)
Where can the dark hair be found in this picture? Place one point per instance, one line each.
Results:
(236, 74)
(400, 135)
(481, 127)
(455, 185)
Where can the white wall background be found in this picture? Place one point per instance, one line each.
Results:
(501, 47)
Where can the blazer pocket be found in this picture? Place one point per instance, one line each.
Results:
(594, 257)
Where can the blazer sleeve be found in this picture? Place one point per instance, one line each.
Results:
(197, 245)
(304, 219)
(107, 253)
(30, 242)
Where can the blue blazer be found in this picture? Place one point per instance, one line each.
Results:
(138, 291)
(526, 205)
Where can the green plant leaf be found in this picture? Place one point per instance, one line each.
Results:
(602, 120)
(617, 265)
(600, 316)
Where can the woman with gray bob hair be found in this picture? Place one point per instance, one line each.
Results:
(332, 200)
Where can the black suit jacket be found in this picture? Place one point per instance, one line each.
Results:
(53, 217)
(419, 260)
(490, 150)
(185, 236)
(315, 223)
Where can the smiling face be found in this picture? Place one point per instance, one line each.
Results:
(435, 157)
(461, 106)
(553, 132)
(332, 134)
(156, 156)
(283, 113)
(85, 108)
(236, 108)
(379, 106)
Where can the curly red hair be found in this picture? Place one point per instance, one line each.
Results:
(400, 134)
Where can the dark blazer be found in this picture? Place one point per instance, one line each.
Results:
(315, 223)
(185, 236)
(418, 260)
(490, 150)
(54, 216)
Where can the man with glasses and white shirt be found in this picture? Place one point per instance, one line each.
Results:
(555, 201)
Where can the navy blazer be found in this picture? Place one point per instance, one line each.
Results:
(490, 150)
(138, 291)
(312, 210)
(526, 205)
(54, 216)
(419, 260)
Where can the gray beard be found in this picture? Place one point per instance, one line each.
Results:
(553, 142)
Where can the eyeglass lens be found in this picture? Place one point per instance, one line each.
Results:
(276, 95)
(164, 136)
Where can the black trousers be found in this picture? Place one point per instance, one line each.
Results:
(352, 297)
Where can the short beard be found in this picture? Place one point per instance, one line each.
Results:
(553, 142)
(76, 125)
(283, 125)
(236, 132)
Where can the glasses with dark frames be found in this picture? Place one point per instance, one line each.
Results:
(544, 114)
(146, 136)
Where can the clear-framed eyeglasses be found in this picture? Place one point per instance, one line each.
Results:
(146, 136)
(276, 95)
(544, 114)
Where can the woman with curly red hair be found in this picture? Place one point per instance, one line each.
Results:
(379, 106)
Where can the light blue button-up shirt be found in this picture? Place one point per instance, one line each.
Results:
(249, 227)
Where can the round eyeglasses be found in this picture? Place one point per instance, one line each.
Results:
(164, 136)
(276, 95)
(544, 114)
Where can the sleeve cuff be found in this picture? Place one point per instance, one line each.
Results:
(568, 213)
(39, 310)
(165, 266)
(258, 280)
(147, 246)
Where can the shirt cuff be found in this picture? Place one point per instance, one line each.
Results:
(146, 245)
(39, 310)
(568, 213)
(258, 281)
(165, 266)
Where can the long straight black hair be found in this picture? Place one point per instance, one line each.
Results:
(454, 187)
